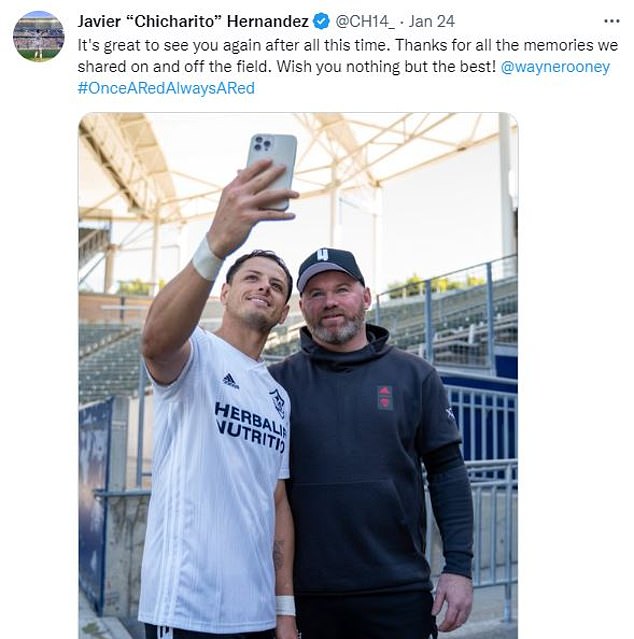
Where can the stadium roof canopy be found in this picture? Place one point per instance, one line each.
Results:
(166, 168)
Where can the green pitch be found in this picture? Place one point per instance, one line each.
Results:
(47, 54)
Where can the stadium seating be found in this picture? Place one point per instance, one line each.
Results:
(92, 241)
(109, 361)
(459, 319)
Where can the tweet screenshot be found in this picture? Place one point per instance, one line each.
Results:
(314, 314)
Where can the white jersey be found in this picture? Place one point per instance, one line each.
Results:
(221, 440)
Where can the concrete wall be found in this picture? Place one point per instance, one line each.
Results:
(100, 308)
(125, 533)
(104, 308)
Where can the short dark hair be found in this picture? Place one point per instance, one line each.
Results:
(269, 255)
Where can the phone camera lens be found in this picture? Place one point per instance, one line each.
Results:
(258, 139)
(258, 147)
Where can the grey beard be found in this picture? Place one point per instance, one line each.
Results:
(338, 335)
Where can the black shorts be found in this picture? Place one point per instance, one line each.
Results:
(151, 632)
(402, 615)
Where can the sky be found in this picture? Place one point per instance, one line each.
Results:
(438, 219)
(38, 14)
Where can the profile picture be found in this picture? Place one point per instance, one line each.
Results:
(38, 36)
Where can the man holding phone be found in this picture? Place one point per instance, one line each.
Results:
(219, 542)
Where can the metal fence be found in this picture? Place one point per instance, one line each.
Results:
(494, 484)
(456, 318)
(470, 311)
(494, 491)
(487, 421)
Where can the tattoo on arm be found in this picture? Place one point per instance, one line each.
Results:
(278, 557)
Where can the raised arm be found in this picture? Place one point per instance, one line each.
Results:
(177, 308)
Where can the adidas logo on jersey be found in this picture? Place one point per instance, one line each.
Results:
(229, 381)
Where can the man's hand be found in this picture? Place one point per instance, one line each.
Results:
(457, 591)
(244, 203)
(286, 627)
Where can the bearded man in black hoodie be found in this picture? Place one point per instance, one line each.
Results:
(364, 416)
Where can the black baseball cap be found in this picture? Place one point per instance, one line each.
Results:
(328, 259)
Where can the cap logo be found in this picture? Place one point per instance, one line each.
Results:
(322, 255)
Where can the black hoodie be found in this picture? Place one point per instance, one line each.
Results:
(360, 424)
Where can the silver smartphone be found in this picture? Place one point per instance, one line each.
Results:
(281, 149)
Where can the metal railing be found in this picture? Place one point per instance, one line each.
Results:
(494, 486)
(454, 318)
(469, 311)
(487, 421)
(494, 492)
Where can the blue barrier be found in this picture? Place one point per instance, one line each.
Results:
(94, 450)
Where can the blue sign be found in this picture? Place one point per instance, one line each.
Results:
(94, 446)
